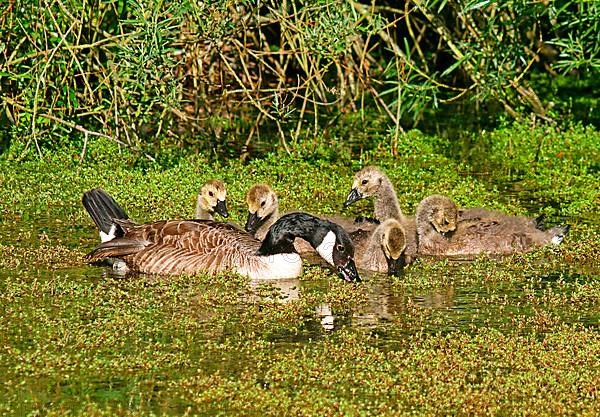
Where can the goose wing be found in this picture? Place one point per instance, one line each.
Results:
(497, 236)
(174, 247)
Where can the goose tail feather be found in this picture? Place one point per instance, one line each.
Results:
(559, 233)
(104, 210)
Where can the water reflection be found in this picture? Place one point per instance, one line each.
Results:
(384, 304)
(439, 298)
(287, 289)
(326, 317)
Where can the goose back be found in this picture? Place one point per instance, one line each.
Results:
(499, 235)
(189, 246)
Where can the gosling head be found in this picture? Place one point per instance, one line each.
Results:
(262, 204)
(393, 244)
(212, 198)
(440, 211)
(366, 183)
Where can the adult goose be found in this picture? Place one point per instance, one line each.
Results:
(191, 246)
(441, 232)
(372, 182)
(211, 199)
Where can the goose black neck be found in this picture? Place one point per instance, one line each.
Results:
(280, 237)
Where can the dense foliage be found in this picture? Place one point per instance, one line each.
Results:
(232, 73)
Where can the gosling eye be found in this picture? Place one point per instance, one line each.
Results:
(364, 182)
(262, 204)
(340, 248)
(210, 193)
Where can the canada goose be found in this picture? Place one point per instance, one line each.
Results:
(263, 211)
(211, 199)
(381, 250)
(191, 246)
(372, 182)
(439, 232)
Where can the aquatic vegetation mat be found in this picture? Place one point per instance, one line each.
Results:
(516, 335)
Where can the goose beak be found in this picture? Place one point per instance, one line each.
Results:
(348, 272)
(221, 208)
(352, 197)
(396, 266)
(252, 222)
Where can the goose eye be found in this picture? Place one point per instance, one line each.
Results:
(340, 248)
(364, 182)
(210, 193)
(262, 204)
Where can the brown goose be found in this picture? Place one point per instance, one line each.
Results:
(211, 199)
(440, 233)
(372, 182)
(263, 211)
(381, 250)
(191, 246)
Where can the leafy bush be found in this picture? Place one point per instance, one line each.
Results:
(221, 74)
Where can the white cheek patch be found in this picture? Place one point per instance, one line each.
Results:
(557, 240)
(105, 237)
(325, 249)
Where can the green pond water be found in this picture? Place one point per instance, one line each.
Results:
(55, 319)
(515, 335)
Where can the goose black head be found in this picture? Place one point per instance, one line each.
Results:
(337, 248)
(262, 205)
(328, 239)
(366, 184)
(212, 198)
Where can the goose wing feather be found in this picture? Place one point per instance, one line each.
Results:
(494, 236)
(187, 246)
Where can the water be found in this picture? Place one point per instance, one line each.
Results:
(77, 333)
(461, 301)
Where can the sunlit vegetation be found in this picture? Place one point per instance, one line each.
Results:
(491, 103)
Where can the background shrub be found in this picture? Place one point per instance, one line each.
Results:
(231, 74)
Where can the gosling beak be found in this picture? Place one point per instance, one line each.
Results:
(221, 208)
(252, 222)
(352, 197)
(348, 272)
(396, 266)
(447, 234)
